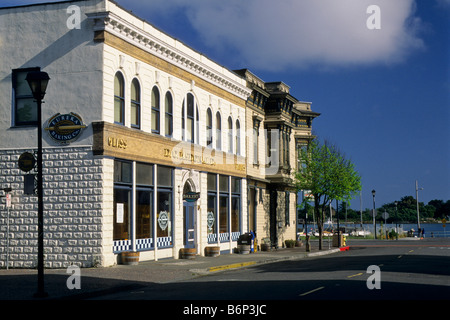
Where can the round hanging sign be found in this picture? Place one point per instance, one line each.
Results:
(26, 161)
(65, 128)
(163, 220)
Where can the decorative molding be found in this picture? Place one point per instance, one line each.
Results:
(114, 24)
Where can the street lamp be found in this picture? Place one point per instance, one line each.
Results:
(374, 214)
(38, 81)
(417, 204)
(396, 220)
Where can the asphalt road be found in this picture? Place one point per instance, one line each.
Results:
(387, 271)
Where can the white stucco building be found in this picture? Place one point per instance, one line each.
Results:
(145, 140)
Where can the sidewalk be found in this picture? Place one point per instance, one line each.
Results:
(21, 284)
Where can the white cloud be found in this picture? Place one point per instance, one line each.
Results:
(269, 34)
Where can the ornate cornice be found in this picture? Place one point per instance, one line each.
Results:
(114, 24)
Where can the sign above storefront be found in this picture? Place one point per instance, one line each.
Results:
(191, 196)
(65, 128)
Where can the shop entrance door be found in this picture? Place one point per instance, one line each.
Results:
(189, 224)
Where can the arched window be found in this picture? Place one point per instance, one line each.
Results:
(135, 104)
(218, 131)
(155, 110)
(209, 132)
(230, 135)
(190, 120)
(119, 99)
(169, 115)
(238, 138)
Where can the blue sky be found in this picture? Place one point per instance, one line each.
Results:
(384, 94)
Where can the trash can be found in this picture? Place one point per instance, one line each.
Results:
(245, 243)
(336, 239)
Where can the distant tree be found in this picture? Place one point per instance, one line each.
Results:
(328, 175)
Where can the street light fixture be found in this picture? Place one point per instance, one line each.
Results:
(374, 214)
(38, 81)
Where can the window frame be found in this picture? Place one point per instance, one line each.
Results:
(135, 103)
(156, 110)
(16, 97)
(168, 103)
(119, 98)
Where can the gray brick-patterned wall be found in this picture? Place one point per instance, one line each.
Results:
(73, 191)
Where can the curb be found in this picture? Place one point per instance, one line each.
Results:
(215, 269)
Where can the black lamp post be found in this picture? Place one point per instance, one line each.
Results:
(374, 214)
(38, 81)
(396, 220)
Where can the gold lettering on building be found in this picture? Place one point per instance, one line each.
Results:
(194, 158)
(117, 143)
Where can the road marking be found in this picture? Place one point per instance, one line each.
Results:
(399, 256)
(355, 275)
(410, 251)
(317, 289)
(231, 266)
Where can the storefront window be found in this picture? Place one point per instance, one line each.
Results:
(144, 209)
(144, 201)
(164, 213)
(122, 200)
(122, 209)
(223, 213)
(211, 215)
(235, 204)
(164, 205)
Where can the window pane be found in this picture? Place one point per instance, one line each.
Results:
(235, 214)
(218, 132)
(235, 185)
(223, 183)
(212, 182)
(230, 135)
(134, 114)
(118, 85)
(190, 106)
(122, 205)
(223, 214)
(211, 215)
(21, 87)
(190, 130)
(144, 174)
(155, 110)
(119, 99)
(168, 118)
(122, 172)
(26, 111)
(144, 214)
(135, 94)
(155, 121)
(164, 214)
(165, 176)
(209, 128)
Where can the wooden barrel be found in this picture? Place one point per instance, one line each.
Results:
(129, 258)
(244, 248)
(188, 253)
(212, 251)
(265, 247)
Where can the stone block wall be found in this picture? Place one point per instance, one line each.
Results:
(73, 198)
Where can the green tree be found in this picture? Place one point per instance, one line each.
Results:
(328, 175)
